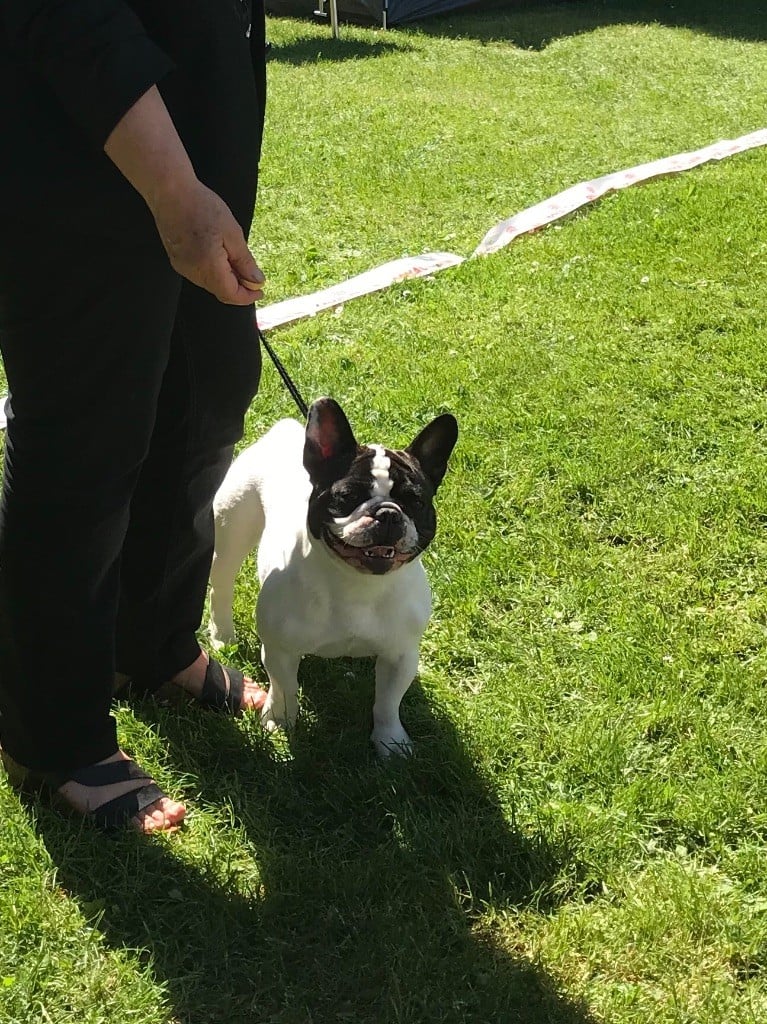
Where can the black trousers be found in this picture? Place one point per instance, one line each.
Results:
(128, 388)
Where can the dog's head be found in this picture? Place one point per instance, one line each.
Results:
(372, 506)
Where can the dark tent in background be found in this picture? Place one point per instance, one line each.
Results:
(367, 12)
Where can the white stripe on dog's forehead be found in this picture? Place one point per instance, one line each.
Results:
(382, 481)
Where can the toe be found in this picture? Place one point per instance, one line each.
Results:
(253, 696)
(162, 816)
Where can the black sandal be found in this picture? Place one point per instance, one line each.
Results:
(216, 694)
(115, 813)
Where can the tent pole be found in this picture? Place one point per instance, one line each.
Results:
(322, 13)
(384, 14)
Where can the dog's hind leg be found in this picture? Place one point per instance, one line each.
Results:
(239, 525)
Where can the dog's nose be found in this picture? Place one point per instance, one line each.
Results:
(389, 520)
(389, 512)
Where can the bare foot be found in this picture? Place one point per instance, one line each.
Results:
(161, 816)
(193, 677)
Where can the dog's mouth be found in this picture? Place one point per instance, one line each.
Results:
(375, 558)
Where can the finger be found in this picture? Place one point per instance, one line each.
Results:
(242, 261)
(225, 284)
(245, 296)
(248, 280)
(244, 265)
(247, 292)
(255, 292)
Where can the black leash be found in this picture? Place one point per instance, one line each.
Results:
(287, 380)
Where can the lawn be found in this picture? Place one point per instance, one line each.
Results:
(581, 833)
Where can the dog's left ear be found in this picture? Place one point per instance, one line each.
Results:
(432, 448)
(330, 445)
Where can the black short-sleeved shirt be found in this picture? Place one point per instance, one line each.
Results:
(70, 69)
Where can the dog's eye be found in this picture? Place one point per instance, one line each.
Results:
(344, 500)
(340, 508)
(411, 499)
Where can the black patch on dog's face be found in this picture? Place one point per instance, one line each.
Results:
(414, 492)
(337, 497)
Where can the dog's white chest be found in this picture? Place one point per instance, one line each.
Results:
(318, 608)
(346, 645)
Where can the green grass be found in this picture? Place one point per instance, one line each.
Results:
(580, 836)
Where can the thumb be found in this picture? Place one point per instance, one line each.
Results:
(242, 262)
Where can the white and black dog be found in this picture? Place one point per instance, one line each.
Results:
(340, 528)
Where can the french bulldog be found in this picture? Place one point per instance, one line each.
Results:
(340, 529)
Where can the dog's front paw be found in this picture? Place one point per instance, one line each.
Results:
(271, 722)
(391, 741)
(277, 714)
(220, 636)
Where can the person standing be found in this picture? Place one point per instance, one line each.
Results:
(132, 135)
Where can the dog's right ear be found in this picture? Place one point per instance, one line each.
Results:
(330, 445)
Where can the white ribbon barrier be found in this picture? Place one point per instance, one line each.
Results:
(524, 222)
(280, 313)
(586, 192)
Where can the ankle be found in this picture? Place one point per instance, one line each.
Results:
(192, 677)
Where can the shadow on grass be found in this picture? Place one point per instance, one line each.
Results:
(354, 914)
(747, 21)
(313, 50)
(533, 26)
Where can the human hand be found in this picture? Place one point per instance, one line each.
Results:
(203, 240)
(205, 244)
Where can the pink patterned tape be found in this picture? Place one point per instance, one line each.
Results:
(586, 192)
(531, 219)
(375, 280)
